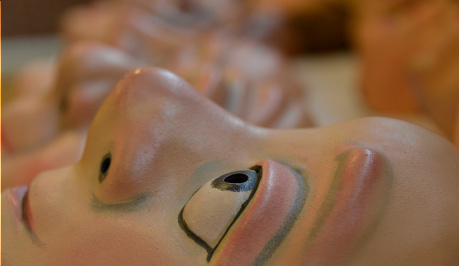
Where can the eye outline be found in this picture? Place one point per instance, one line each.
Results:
(198, 240)
(104, 167)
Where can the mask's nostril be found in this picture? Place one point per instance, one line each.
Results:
(237, 178)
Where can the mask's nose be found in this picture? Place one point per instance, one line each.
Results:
(212, 210)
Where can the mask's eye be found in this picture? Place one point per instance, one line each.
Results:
(209, 213)
(104, 166)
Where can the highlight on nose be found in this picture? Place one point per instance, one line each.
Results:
(211, 211)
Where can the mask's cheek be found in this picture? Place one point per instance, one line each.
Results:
(101, 238)
(76, 233)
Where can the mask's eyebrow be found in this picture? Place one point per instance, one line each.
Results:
(132, 204)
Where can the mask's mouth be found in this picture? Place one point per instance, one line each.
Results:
(27, 218)
(15, 197)
(242, 217)
(26, 214)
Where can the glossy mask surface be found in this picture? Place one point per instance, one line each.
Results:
(147, 190)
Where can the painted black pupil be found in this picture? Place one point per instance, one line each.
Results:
(236, 178)
(237, 181)
(105, 165)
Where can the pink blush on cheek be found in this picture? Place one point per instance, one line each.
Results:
(279, 198)
(360, 192)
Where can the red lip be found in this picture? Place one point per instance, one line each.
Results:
(265, 219)
(15, 197)
(26, 212)
(18, 200)
(356, 200)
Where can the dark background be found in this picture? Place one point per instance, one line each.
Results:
(33, 17)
